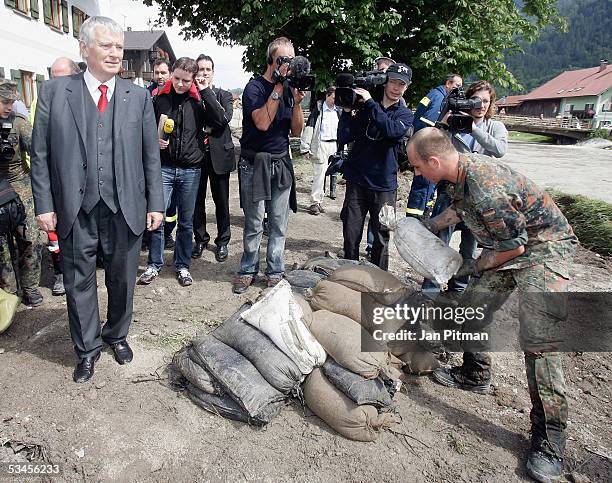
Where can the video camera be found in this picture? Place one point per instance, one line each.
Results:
(299, 73)
(460, 121)
(7, 151)
(346, 82)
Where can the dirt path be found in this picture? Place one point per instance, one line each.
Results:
(128, 425)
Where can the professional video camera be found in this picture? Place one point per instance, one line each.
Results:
(460, 107)
(346, 82)
(298, 76)
(6, 147)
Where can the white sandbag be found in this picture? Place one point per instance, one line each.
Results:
(280, 317)
(424, 251)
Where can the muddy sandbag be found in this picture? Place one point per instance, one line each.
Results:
(280, 317)
(300, 280)
(238, 377)
(365, 278)
(306, 309)
(185, 364)
(341, 338)
(335, 298)
(276, 367)
(327, 265)
(359, 423)
(425, 252)
(358, 389)
(224, 406)
(419, 363)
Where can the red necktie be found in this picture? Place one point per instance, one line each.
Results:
(103, 101)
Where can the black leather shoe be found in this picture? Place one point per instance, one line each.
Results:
(221, 253)
(85, 369)
(122, 351)
(198, 249)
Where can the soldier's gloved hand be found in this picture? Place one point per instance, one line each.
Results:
(430, 225)
(469, 267)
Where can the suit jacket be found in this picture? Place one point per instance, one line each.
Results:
(59, 152)
(220, 138)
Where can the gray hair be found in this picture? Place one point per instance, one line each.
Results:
(87, 32)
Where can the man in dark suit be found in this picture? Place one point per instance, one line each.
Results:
(218, 163)
(96, 179)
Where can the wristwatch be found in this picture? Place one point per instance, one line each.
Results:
(275, 96)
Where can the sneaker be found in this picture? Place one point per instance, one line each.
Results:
(314, 209)
(184, 277)
(58, 285)
(241, 283)
(321, 209)
(274, 280)
(32, 297)
(453, 377)
(169, 243)
(543, 465)
(148, 276)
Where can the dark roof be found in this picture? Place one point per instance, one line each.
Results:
(573, 83)
(510, 101)
(145, 39)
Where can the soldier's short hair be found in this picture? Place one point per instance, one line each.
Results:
(431, 141)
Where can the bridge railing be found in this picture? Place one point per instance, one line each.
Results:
(564, 122)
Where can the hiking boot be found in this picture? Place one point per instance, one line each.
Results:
(321, 209)
(148, 276)
(274, 280)
(169, 243)
(314, 209)
(543, 463)
(454, 377)
(241, 283)
(184, 277)
(58, 285)
(32, 297)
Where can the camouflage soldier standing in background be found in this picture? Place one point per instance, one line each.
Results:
(16, 139)
(528, 246)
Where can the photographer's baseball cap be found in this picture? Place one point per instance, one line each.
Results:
(8, 90)
(401, 72)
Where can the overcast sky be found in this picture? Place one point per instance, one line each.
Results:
(229, 73)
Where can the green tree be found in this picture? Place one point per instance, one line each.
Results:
(433, 37)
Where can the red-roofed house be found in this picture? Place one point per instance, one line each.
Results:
(583, 93)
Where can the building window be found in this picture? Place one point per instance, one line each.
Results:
(52, 10)
(22, 6)
(78, 17)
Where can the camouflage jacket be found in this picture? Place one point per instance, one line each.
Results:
(506, 210)
(20, 139)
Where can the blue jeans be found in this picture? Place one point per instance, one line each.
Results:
(467, 248)
(183, 183)
(277, 209)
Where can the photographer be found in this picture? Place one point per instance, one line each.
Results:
(16, 138)
(271, 109)
(371, 168)
(488, 137)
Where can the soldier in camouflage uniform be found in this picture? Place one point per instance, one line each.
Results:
(29, 248)
(528, 247)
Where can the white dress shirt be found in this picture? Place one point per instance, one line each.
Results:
(329, 123)
(93, 85)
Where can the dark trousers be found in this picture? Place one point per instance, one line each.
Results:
(421, 192)
(219, 187)
(358, 202)
(120, 248)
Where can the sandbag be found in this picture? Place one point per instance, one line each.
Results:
(341, 338)
(301, 280)
(335, 298)
(224, 406)
(238, 377)
(184, 362)
(357, 388)
(419, 363)
(280, 317)
(306, 309)
(276, 367)
(425, 252)
(367, 279)
(360, 423)
(326, 265)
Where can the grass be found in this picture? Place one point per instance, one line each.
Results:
(590, 219)
(529, 138)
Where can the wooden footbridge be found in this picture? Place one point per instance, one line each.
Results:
(564, 129)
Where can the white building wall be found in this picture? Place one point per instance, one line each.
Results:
(30, 45)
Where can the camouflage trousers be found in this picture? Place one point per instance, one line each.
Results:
(539, 318)
(27, 250)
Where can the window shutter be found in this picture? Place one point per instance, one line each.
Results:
(10, 3)
(75, 25)
(47, 11)
(16, 76)
(2, 73)
(39, 80)
(34, 8)
(65, 24)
